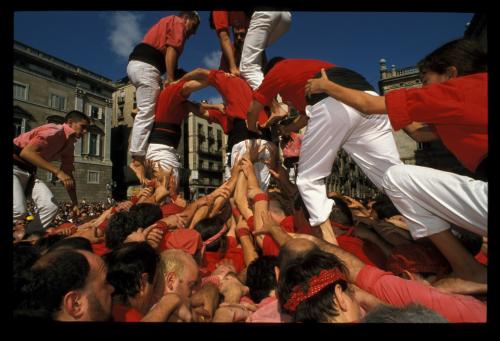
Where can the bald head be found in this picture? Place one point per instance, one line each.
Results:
(294, 249)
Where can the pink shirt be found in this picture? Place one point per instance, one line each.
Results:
(55, 142)
(168, 31)
(400, 292)
(268, 312)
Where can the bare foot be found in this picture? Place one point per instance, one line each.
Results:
(138, 169)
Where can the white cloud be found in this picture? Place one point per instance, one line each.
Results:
(212, 60)
(125, 33)
(215, 100)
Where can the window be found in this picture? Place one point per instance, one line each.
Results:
(51, 177)
(19, 126)
(95, 112)
(94, 144)
(20, 91)
(92, 177)
(57, 102)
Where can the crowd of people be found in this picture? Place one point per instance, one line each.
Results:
(256, 250)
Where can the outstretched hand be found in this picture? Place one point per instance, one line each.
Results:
(317, 85)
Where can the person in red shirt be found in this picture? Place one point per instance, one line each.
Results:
(156, 54)
(345, 284)
(231, 53)
(454, 104)
(331, 125)
(38, 148)
(237, 96)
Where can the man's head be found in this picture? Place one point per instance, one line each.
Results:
(261, 278)
(78, 121)
(133, 270)
(341, 213)
(181, 273)
(68, 285)
(456, 58)
(313, 288)
(192, 20)
(412, 313)
(239, 34)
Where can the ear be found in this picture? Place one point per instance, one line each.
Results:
(451, 72)
(277, 273)
(170, 281)
(339, 298)
(73, 304)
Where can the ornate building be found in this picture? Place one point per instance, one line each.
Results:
(46, 88)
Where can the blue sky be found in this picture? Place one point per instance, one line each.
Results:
(101, 41)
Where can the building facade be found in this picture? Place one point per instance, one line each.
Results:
(201, 149)
(46, 88)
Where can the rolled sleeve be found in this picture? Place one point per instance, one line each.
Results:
(221, 20)
(262, 99)
(397, 108)
(177, 37)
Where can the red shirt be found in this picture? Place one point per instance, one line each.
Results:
(400, 292)
(100, 248)
(55, 142)
(237, 94)
(457, 108)
(170, 105)
(168, 31)
(289, 78)
(224, 19)
(234, 253)
(122, 313)
(216, 116)
(269, 245)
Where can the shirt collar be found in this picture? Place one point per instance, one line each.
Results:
(68, 131)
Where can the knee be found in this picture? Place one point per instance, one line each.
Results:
(50, 207)
(393, 176)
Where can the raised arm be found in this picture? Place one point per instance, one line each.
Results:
(359, 100)
(171, 57)
(252, 116)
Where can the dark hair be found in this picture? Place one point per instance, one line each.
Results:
(76, 243)
(44, 243)
(341, 213)
(49, 279)
(271, 63)
(193, 15)
(211, 22)
(77, 116)
(210, 227)
(319, 307)
(179, 72)
(118, 229)
(466, 55)
(412, 313)
(261, 279)
(144, 215)
(298, 204)
(126, 264)
(385, 209)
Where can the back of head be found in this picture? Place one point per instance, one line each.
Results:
(126, 264)
(466, 55)
(385, 209)
(174, 260)
(144, 214)
(294, 249)
(341, 213)
(271, 63)
(210, 227)
(119, 227)
(261, 279)
(412, 313)
(76, 243)
(48, 281)
(76, 116)
(298, 274)
(43, 244)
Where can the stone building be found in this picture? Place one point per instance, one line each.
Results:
(46, 88)
(201, 149)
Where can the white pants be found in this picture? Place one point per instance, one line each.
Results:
(430, 199)
(265, 28)
(45, 202)
(166, 156)
(261, 171)
(146, 79)
(368, 139)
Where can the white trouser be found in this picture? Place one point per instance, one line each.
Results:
(261, 171)
(45, 202)
(166, 156)
(227, 169)
(332, 125)
(431, 199)
(146, 79)
(265, 28)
